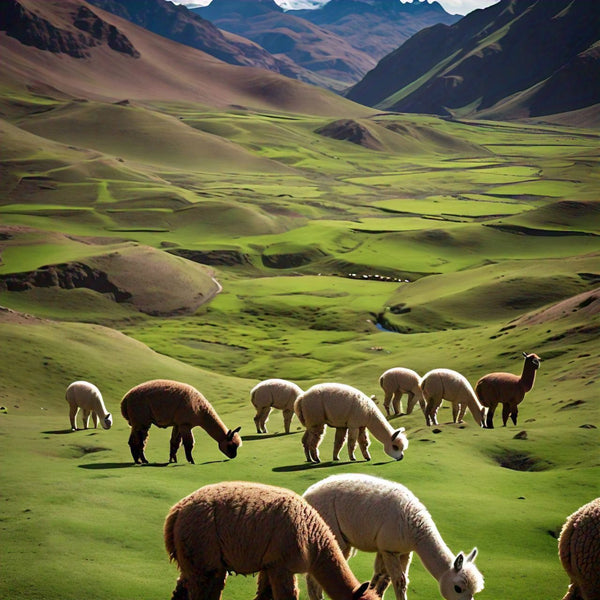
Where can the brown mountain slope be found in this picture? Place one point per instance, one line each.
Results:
(154, 68)
(515, 59)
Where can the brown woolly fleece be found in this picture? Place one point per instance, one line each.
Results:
(243, 527)
(579, 552)
(168, 403)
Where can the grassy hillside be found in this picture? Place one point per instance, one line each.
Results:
(449, 244)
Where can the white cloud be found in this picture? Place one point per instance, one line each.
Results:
(460, 7)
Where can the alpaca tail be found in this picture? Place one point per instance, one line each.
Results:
(298, 411)
(124, 409)
(169, 533)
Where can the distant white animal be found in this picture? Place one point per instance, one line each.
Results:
(274, 393)
(85, 395)
(376, 515)
(347, 410)
(398, 381)
(445, 384)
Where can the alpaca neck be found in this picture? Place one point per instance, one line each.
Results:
(212, 424)
(333, 574)
(379, 426)
(475, 406)
(527, 376)
(433, 552)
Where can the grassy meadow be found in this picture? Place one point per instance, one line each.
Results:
(435, 244)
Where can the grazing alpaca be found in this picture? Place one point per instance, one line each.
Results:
(396, 382)
(274, 393)
(579, 552)
(242, 527)
(507, 389)
(346, 409)
(375, 515)
(168, 403)
(85, 395)
(445, 384)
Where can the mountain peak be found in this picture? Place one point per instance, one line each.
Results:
(245, 8)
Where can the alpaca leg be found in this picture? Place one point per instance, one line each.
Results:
(341, 434)
(514, 414)
(257, 421)
(95, 419)
(137, 443)
(305, 445)
(287, 419)
(364, 442)
(455, 411)
(283, 583)
(352, 440)
(174, 444)
(505, 413)
(188, 442)
(263, 589)
(410, 403)
(397, 566)
(315, 591)
(380, 580)
(86, 417)
(397, 402)
(386, 402)
(264, 417)
(314, 437)
(73, 410)
(207, 586)
(461, 414)
(489, 418)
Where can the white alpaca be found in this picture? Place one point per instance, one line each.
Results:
(396, 382)
(274, 393)
(445, 384)
(85, 395)
(346, 409)
(375, 515)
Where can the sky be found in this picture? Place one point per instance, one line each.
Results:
(455, 7)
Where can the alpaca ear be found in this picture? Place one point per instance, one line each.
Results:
(359, 591)
(237, 429)
(472, 555)
(397, 433)
(458, 561)
(231, 433)
(525, 354)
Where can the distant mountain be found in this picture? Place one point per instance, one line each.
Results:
(179, 24)
(72, 49)
(376, 27)
(335, 61)
(517, 58)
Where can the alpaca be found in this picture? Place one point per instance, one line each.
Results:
(445, 384)
(168, 403)
(85, 395)
(274, 393)
(579, 552)
(345, 408)
(376, 515)
(507, 389)
(396, 382)
(242, 527)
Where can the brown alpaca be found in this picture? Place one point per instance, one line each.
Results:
(506, 389)
(168, 403)
(579, 552)
(242, 527)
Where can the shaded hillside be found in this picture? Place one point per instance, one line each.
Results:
(286, 35)
(179, 24)
(518, 58)
(376, 27)
(73, 49)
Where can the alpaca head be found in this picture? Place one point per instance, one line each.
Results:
(229, 446)
(462, 580)
(533, 360)
(397, 444)
(107, 421)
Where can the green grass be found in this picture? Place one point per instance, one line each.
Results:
(328, 231)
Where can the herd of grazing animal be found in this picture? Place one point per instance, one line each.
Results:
(245, 527)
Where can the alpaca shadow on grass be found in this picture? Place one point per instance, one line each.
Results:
(124, 465)
(62, 431)
(265, 436)
(306, 466)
